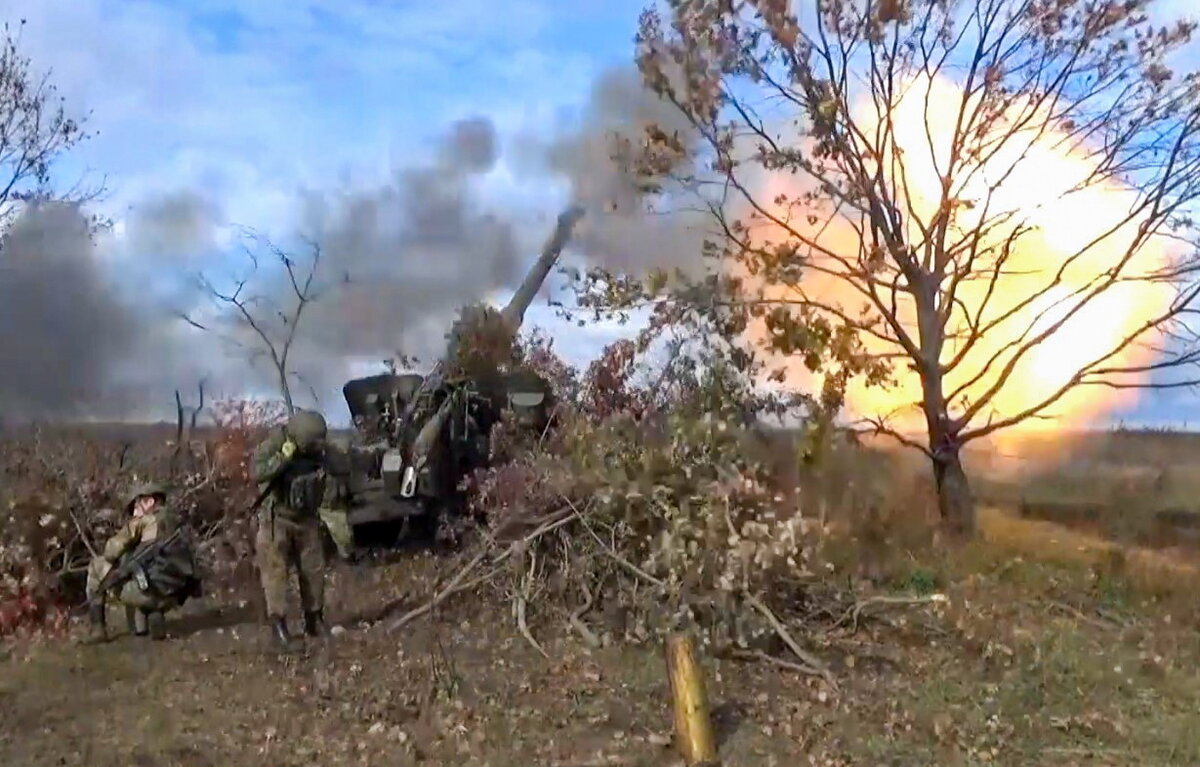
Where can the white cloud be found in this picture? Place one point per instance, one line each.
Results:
(253, 100)
(246, 104)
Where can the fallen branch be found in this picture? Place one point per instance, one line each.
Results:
(519, 608)
(415, 613)
(759, 655)
(524, 628)
(576, 619)
(453, 587)
(613, 555)
(1109, 615)
(457, 583)
(1107, 624)
(781, 630)
(856, 610)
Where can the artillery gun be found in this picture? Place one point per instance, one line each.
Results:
(419, 436)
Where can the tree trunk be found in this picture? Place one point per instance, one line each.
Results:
(955, 501)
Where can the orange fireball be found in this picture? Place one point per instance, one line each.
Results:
(1079, 222)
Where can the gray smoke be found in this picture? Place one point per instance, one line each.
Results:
(470, 145)
(90, 325)
(414, 251)
(95, 329)
(62, 324)
(180, 225)
(396, 263)
(626, 229)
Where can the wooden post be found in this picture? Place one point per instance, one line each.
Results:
(693, 724)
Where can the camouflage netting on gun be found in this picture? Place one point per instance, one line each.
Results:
(480, 342)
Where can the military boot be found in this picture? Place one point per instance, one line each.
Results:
(97, 630)
(279, 632)
(156, 624)
(314, 623)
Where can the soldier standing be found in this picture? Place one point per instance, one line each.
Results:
(166, 580)
(291, 461)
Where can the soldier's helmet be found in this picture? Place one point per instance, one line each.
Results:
(145, 488)
(307, 427)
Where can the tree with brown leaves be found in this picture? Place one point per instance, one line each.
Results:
(993, 196)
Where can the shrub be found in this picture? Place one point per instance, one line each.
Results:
(61, 490)
(660, 512)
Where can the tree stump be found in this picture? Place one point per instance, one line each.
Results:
(693, 723)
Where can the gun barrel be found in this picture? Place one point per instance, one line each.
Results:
(512, 315)
(514, 312)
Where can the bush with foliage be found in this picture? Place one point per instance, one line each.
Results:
(61, 490)
(651, 500)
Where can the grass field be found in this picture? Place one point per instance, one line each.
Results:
(1139, 487)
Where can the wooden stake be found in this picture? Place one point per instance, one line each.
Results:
(693, 724)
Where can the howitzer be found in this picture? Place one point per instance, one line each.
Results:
(419, 409)
(423, 434)
(130, 567)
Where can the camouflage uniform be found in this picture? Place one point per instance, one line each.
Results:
(171, 577)
(289, 519)
(338, 526)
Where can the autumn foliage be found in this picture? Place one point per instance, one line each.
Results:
(62, 489)
(648, 503)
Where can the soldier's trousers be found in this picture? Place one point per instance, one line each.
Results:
(284, 543)
(129, 594)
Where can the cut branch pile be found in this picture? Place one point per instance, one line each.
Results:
(627, 530)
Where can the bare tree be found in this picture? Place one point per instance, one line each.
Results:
(185, 428)
(902, 167)
(259, 323)
(34, 131)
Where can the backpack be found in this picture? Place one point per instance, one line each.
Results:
(172, 571)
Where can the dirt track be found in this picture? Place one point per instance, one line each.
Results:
(455, 691)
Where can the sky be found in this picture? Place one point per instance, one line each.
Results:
(253, 99)
(316, 113)
(240, 111)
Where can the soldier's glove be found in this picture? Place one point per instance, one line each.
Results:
(288, 449)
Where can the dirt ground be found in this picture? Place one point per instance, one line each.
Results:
(1030, 664)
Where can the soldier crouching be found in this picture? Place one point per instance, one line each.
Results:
(162, 582)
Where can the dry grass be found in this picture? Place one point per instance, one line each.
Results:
(1154, 571)
(1057, 646)
(1034, 661)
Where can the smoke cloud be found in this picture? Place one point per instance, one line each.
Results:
(623, 231)
(92, 324)
(178, 226)
(63, 323)
(414, 250)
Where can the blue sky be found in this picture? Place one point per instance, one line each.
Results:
(254, 97)
(249, 102)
